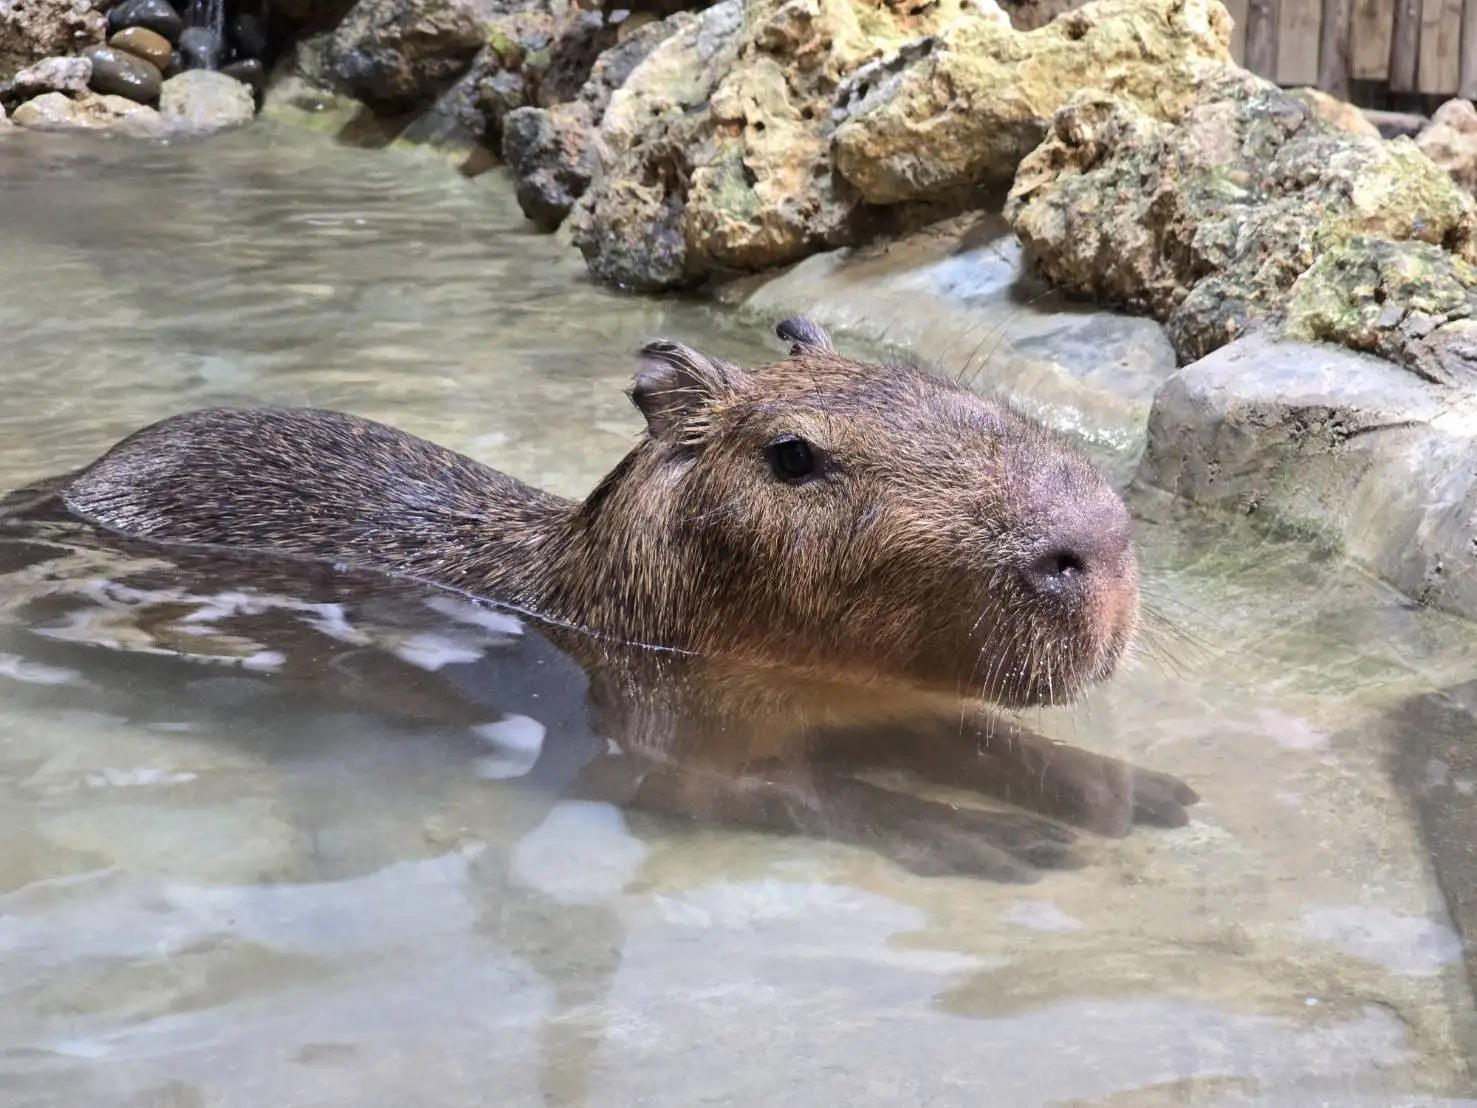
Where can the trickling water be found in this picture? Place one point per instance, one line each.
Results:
(212, 893)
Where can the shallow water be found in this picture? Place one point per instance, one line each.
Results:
(208, 897)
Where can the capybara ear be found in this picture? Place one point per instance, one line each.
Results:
(676, 385)
(803, 334)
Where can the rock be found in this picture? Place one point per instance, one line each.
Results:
(310, 16)
(6, 124)
(1340, 113)
(143, 43)
(249, 71)
(714, 154)
(540, 54)
(1394, 124)
(1342, 446)
(551, 159)
(1450, 140)
(963, 107)
(48, 75)
(550, 150)
(1211, 224)
(31, 30)
(249, 34)
(115, 73)
(158, 16)
(55, 111)
(199, 101)
(201, 48)
(398, 54)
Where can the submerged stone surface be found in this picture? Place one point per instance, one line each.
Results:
(1251, 208)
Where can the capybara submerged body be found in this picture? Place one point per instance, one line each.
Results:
(860, 548)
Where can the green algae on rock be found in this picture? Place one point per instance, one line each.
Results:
(967, 105)
(1210, 224)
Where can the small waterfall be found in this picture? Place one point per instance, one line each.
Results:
(209, 14)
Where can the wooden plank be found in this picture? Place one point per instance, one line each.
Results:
(1261, 37)
(1237, 8)
(1405, 46)
(1297, 42)
(1441, 37)
(1467, 85)
(1369, 55)
(1333, 48)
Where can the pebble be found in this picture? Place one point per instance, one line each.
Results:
(141, 42)
(158, 16)
(201, 48)
(116, 73)
(249, 71)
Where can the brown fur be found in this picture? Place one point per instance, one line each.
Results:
(947, 552)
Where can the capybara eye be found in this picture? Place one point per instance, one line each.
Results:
(791, 458)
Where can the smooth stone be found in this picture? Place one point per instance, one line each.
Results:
(1346, 448)
(143, 43)
(199, 101)
(158, 16)
(249, 35)
(56, 111)
(117, 73)
(175, 67)
(249, 71)
(201, 48)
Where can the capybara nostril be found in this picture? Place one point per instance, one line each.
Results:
(1057, 572)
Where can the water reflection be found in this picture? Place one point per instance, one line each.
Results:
(220, 890)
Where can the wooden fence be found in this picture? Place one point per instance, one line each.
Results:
(1374, 52)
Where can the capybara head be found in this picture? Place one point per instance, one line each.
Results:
(880, 522)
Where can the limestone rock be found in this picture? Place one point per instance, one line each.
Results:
(199, 102)
(1450, 140)
(550, 150)
(6, 124)
(966, 105)
(1342, 446)
(714, 155)
(550, 158)
(541, 53)
(1340, 113)
(1211, 224)
(69, 75)
(31, 30)
(398, 54)
(54, 111)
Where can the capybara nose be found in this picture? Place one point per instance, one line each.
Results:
(1089, 550)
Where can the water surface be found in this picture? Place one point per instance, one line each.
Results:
(209, 898)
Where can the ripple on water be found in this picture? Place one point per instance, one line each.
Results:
(217, 896)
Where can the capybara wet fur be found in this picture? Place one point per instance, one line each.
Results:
(847, 558)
